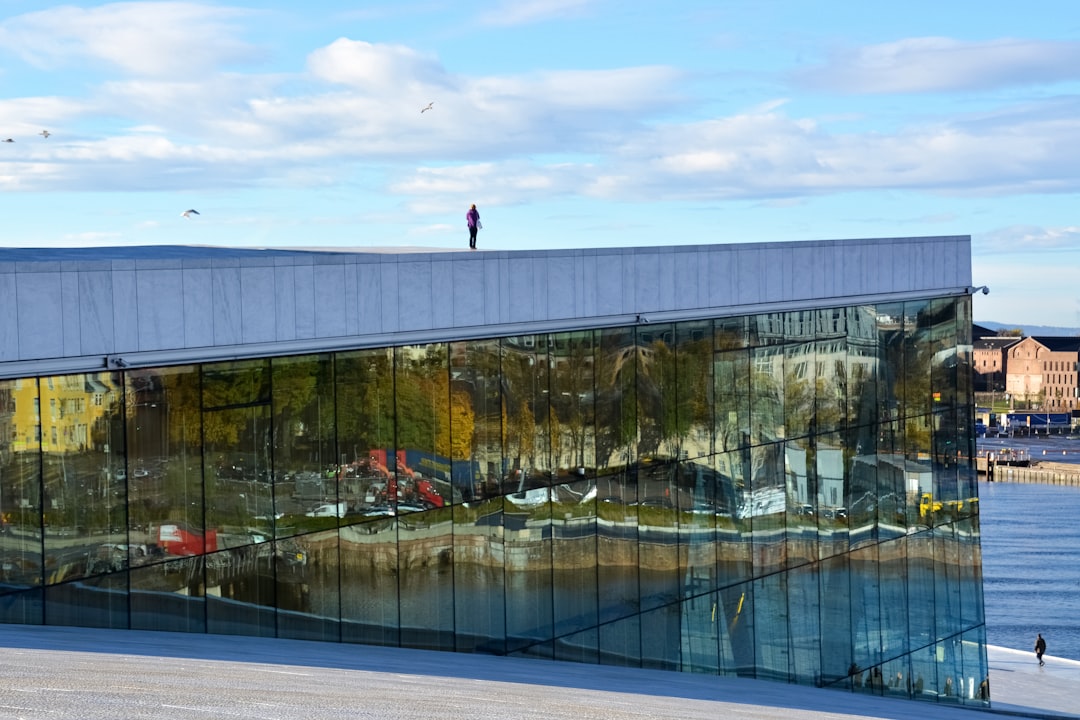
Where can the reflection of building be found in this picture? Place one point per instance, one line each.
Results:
(744, 460)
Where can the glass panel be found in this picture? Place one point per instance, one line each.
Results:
(837, 652)
(476, 416)
(772, 627)
(767, 395)
(581, 647)
(237, 455)
(865, 600)
(924, 673)
(573, 511)
(765, 505)
(916, 393)
(830, 511)
(731, 381)
(695, 407)
(164, 430)
(573, 424)
(921, 588)
(830, 394)
(527, 535)
(658, 526)
(305, 471)
(805, 608)
(864, 367)
(949, 611)
(698, 512)
(657, 399)
(737, 641)
(240, 592)
(85, 494)
(892, 573)
(426, 578)
(479, 598)
(799, 388)
(701, 630)
(617, 546)
(616, 401)
(525, 393)
(100, 602)
(169, 596)
(369, 582)
(424, 438)
(976, 671)
(308, 586)
(620, 642)
(660, 640)
(802, 496)
(971, 586)
(20, 502)
(890, 372)
(733, 520)
(365, 430)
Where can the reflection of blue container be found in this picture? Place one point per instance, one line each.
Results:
(980, 429)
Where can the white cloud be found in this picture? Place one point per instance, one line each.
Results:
(154, 39)
(1027, 238)
(522, 12)
(374, 68)
(938, 64)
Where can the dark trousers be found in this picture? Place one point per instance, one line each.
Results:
(472, 236)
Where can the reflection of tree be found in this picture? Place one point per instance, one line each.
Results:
(616, 392)
(302, 420)
(423, 404)
(232, 385)
(573, 393)
(365, 397)
(524, 417)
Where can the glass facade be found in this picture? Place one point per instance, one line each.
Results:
(786, 496)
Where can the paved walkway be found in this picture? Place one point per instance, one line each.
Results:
(84, 674)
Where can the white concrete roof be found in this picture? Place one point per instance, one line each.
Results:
(68, 673)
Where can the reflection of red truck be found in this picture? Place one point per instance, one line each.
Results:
(179, 539)
(404, 485)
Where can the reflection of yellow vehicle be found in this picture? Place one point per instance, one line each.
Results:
(928, 506)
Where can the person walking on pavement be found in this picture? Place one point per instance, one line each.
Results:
(473, 219)
(1040, 648)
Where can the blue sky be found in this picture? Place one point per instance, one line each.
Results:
(570, 123)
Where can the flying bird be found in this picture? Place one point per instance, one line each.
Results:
(425, 109)
(45, 134)
(189, 213)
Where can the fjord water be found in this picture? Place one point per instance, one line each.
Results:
(1031, 565)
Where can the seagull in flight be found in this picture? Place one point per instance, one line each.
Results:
(45, 134)
(189, 213)
(425, 109)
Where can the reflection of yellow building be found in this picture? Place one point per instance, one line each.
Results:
(62, 417)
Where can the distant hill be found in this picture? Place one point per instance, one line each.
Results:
(1030, 330)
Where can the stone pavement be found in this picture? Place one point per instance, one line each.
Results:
(88, 674)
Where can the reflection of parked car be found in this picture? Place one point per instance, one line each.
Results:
(657, 501)
(328, 510)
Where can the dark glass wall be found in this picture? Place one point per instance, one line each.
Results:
(786, 496)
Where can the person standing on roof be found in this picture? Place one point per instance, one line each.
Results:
(1040, 648)
(473, 219)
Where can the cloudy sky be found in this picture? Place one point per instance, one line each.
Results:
(570, 123)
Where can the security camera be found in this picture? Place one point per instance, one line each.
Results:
(986, 290)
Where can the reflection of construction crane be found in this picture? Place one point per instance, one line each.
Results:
(402, 485)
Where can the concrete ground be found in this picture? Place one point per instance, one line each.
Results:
(84, 674)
